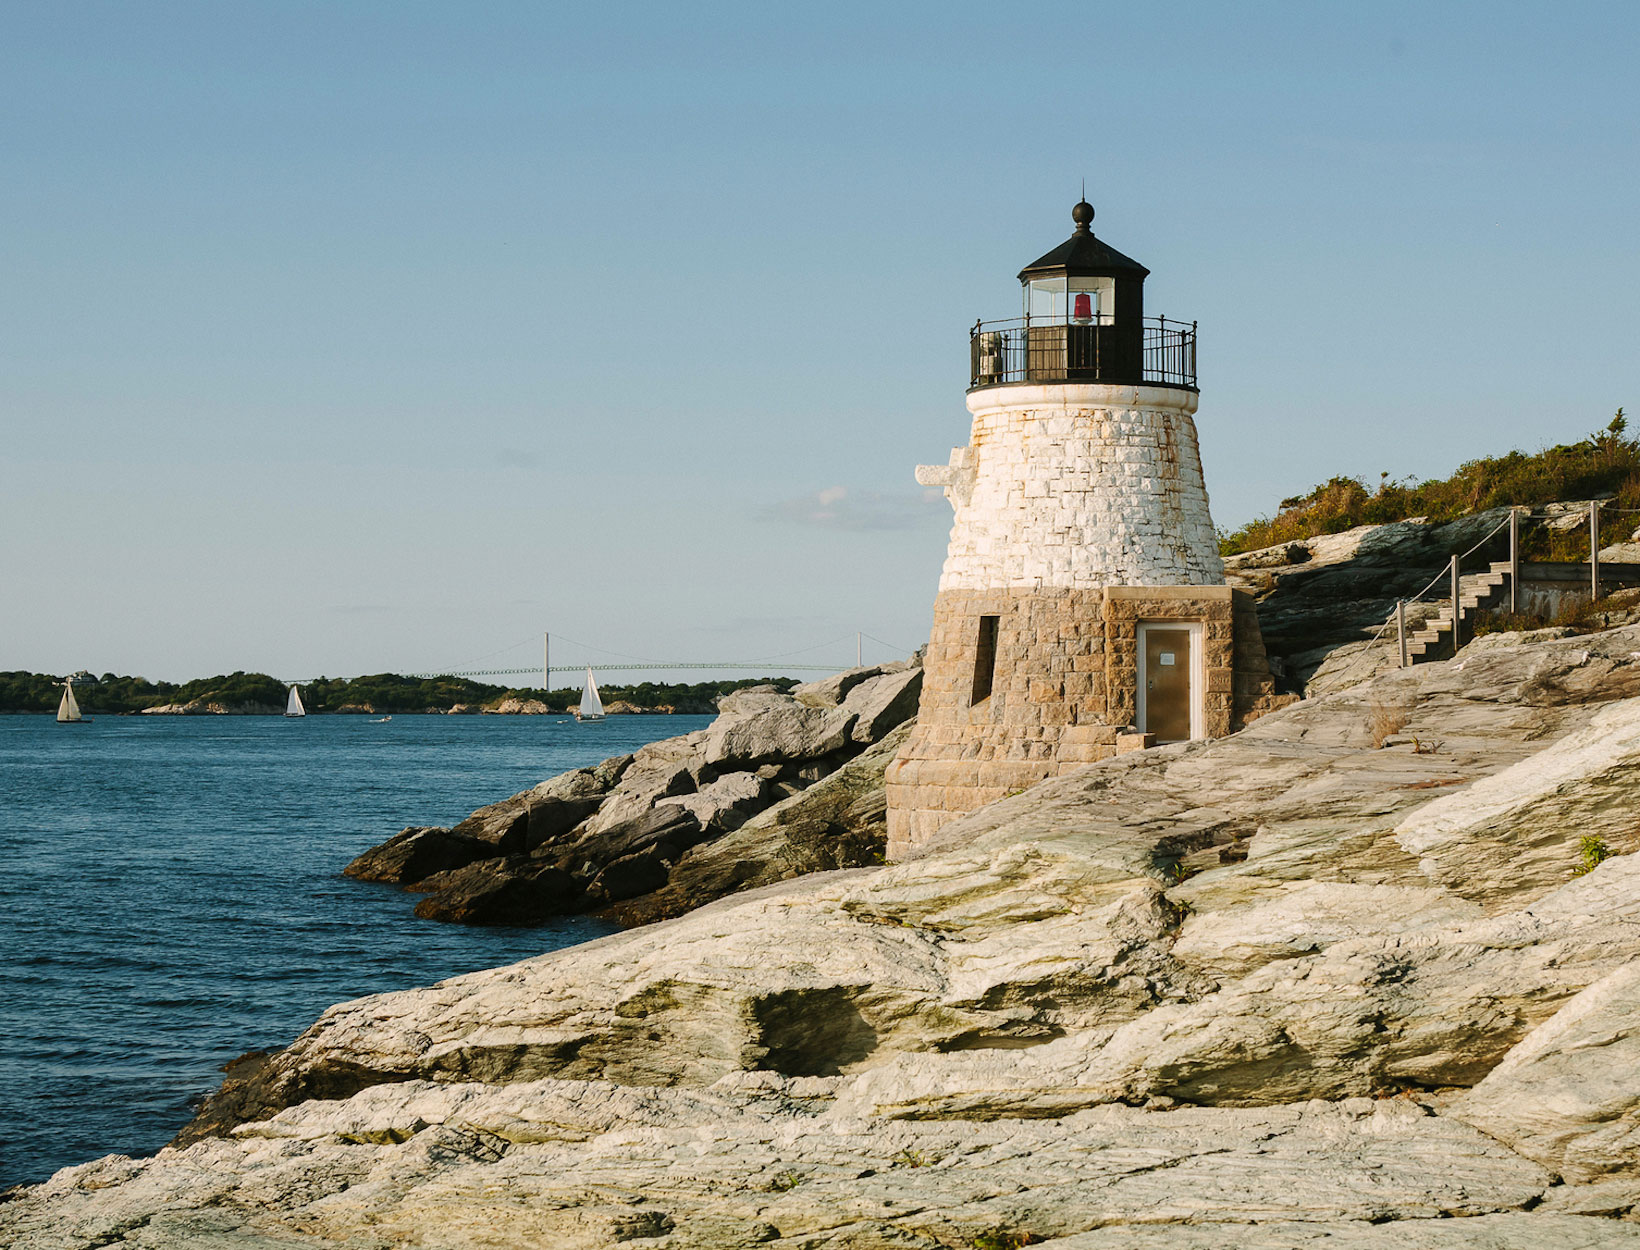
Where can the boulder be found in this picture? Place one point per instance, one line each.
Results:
(672, 828)
(514, 891)
(638, 791)
(724, 804)
(831, 691)
(883, 703)
(687, 751)
(838, 822)
(561, 875)
(781, 731)
(582, 783)
(749, 700)
(551, 820)
(525, 820)
(1567, 516)
(638, 873)
(766, 745)
(548, 811)
(500, 826)
(415, 853)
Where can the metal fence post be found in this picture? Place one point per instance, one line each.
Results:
(1594, 549)
(1401, 628)
(1514, 561)
(1457, 614)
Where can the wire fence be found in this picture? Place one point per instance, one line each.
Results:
(1453, 571)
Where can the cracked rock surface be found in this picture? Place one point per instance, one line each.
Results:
(1285, 989)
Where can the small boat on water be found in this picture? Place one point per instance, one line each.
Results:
(68, 711)
(293, 705)
(381, 720)
(592, 707)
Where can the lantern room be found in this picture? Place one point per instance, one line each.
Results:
(1083, 320)
(1084, 281)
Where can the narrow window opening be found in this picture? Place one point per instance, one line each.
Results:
(985, 660)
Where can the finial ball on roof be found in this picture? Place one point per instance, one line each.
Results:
(1082, 214)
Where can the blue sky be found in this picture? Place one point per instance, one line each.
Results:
(349, 337)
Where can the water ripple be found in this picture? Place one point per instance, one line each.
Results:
(173, 898)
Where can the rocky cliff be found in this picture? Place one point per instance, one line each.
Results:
(1361, 976)
(643, 836)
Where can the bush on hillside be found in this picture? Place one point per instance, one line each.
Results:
(1607, 463)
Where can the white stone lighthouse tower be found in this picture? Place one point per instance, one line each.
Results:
(1083, 601)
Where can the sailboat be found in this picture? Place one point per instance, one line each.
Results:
(68, 711)
(592, 707)
(293, 705)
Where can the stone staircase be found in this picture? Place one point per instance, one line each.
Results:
(1475, 590)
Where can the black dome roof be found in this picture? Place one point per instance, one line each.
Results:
(1083, 255)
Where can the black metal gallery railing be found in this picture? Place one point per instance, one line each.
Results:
(1162, 353)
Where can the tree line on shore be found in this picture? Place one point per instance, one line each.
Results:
(112, 694)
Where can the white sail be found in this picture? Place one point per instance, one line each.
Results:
(592, 707)
(68, 709)
(293, 705)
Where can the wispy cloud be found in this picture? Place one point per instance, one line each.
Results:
(838, 507)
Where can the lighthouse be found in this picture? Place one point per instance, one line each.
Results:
(1082, 608)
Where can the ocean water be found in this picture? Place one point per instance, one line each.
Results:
(171, 896)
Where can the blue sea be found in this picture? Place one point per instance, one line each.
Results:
(171, 897)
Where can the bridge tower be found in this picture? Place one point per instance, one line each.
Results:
(1082, 608)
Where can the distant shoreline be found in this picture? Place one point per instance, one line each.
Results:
(638, 711)
(379, 694)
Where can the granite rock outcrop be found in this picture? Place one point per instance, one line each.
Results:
(637, 834)
(1237, 992)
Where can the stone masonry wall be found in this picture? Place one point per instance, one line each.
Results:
(1045, 712)
(1064, 690)
(1126, 606)
(1078, 486)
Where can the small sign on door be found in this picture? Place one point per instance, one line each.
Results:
(1165, 658)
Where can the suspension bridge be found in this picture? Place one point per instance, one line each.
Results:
(538, 670)
(634, 664)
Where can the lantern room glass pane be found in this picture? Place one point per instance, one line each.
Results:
(1045, 299)
(1093, 301)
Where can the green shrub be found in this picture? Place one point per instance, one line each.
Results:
(1592, 851)
(1605, 463)
(1002, 1239)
